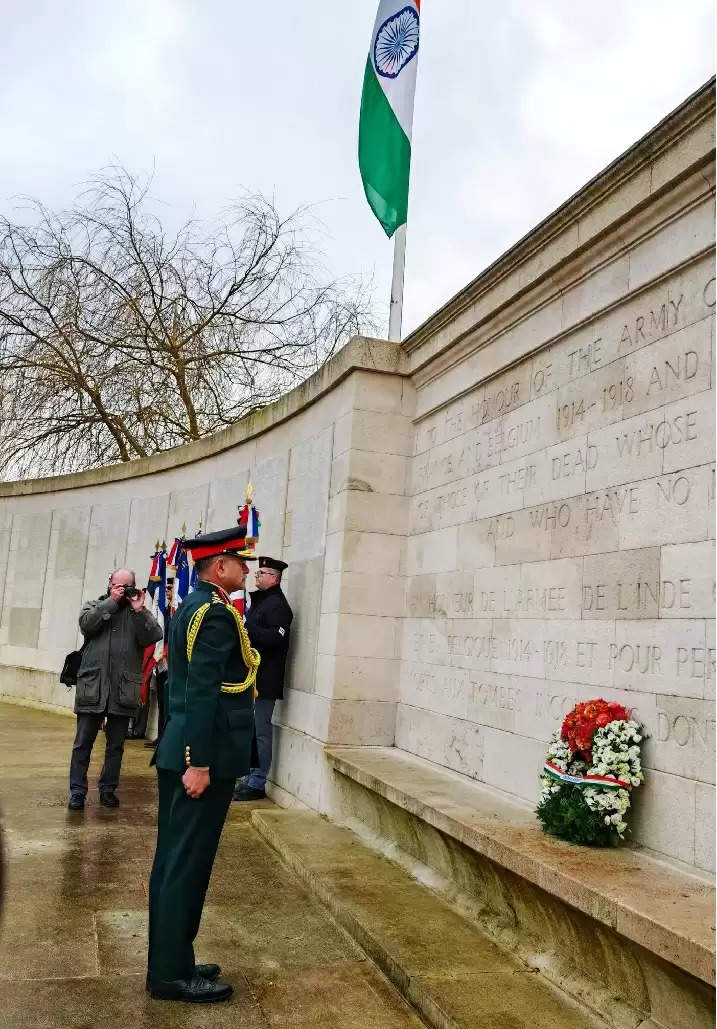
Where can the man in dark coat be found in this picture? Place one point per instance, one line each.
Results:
(117, 627)
(205, 745)
(267, 621)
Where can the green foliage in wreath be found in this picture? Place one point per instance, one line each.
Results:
(566, 815)
(592, 765)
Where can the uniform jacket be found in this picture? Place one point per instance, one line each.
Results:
(267, 622)
(216, 727)
(110, 675)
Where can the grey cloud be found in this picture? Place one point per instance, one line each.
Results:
(517, 105)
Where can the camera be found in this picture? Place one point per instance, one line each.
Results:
(131, 592)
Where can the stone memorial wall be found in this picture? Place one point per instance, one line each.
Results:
(561, 547)
(562, 518)
(509, 512)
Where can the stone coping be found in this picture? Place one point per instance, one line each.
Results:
(663, 908)
(360, 353)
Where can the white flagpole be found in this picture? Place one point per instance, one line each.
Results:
(399, 263)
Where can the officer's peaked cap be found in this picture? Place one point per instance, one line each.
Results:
(226, 541)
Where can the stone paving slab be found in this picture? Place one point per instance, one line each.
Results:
(74, 927)
(118, 1001)
(341, 996)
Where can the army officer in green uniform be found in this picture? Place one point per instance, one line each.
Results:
(205, 745)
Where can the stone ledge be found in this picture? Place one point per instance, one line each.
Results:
(663, 909)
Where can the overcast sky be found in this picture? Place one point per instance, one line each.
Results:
(518, 104)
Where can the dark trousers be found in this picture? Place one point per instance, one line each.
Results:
(263, 736)
(188, 834)
(88, 725)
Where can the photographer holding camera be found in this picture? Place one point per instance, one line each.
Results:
(117, 627)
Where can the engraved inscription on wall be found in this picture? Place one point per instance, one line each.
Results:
(576, 491)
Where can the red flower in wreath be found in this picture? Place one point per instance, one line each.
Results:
(581, 724)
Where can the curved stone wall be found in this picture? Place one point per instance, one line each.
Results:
(511, 511)
(59, 538)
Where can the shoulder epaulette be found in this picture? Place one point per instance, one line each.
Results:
(193, 628)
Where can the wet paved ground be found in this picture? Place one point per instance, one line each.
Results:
(73, 935)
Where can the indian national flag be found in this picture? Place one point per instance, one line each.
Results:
(389, 86)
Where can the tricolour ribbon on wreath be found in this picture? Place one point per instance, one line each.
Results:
(585, 780)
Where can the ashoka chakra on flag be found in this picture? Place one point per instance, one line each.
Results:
(396, 43)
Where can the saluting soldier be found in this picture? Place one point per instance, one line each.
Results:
(206, 744)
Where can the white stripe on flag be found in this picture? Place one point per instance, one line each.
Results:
(399, 91)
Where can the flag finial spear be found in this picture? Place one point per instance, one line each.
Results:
(184, 529)
(249, 492)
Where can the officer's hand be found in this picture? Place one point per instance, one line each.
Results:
(195, 781)
(117, 591)
(138, 601)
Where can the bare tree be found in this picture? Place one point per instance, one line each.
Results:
(119, 339)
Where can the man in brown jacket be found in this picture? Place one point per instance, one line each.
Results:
(117, 627)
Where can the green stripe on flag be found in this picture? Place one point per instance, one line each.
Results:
(384, 155)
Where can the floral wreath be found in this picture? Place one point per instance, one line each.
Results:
(593, 762)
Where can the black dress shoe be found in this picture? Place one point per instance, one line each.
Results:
(109, 798)
(209, 972)
(193, 991)
(248, 793)
(77, 802)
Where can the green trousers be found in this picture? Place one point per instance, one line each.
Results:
(188, 834)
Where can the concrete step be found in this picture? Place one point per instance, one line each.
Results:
(453, 974)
